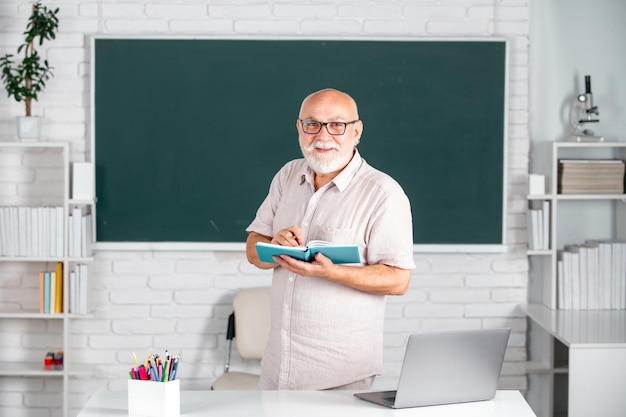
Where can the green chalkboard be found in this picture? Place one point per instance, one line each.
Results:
(189, 132)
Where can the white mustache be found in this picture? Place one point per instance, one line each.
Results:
(322, 145)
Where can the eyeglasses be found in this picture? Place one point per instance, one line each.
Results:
(313, 127)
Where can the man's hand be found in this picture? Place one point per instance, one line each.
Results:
(291, 236)
(321, 267)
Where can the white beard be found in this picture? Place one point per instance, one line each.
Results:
(324, 164)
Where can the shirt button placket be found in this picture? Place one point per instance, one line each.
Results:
(285, 340)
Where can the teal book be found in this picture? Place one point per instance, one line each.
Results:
(339, 254)
(46, 293)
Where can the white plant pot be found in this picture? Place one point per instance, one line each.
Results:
(28, 128)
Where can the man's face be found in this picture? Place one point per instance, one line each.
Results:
(326, 153)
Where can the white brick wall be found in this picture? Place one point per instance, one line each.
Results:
(152, 300)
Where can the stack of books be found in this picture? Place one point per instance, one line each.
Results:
(592, 276)
(51, 290)
(591, 176)
(31, 231)
(539, 227)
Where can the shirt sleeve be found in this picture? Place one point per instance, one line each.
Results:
(391, 232)
(264, 221)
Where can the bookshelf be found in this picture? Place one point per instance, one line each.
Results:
(577, 358)
(37, 174)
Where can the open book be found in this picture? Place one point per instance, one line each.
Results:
(339, 254)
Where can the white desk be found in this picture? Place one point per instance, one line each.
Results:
(596, 362)
(305, 404)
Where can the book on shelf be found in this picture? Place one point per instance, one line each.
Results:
(52, 309)
(560, 283)
(339, 254)
(591, 176)
(58, 301)
(79, 289)
(42, 292)
(46, 293)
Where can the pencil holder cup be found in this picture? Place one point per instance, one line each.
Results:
(153, 399)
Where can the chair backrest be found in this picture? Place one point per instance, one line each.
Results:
(252, 321)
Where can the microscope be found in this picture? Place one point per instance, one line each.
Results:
(582, 112)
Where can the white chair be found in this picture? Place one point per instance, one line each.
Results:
(249, 325)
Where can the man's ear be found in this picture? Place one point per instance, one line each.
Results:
(358, 131)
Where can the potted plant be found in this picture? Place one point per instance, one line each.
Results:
(26, 79)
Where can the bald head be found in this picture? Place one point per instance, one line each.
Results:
(327, 97)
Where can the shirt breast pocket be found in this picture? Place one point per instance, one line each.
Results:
(334, 235)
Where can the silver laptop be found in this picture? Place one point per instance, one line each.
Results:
(447, 367)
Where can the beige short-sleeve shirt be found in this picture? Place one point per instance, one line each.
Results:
(324, 334)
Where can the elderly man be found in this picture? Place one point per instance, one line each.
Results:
(326, 319)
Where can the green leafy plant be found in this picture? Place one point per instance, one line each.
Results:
(24, 81)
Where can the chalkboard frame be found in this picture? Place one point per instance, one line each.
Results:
(498, 246)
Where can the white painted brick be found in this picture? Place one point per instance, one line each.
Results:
(513, 12)
(118, 10)
(446, 13)
(139, 327)
(71, 55)
(515, 324)
(182, 311)
(82, 25)
(236, 11)
(481, 12)
(43, 400)
(9, 9)
(11, 399)
(370, 11)
(433, 310)
(395, 28)
(266, 27)
(141, 297)
(440, 324)
(17, 175)
(515, 295)
(461, 264)
(168, 11)
(511, 265)
(65, 114)
(497, 280)
(143, 267)
(305, 11)
(456, 28)
(436, 281)
(461, 295)
(201, 266)
(202, 27)
(112, 341)
(182, 283)
(128, 26)
(346, 27)
(493, 310)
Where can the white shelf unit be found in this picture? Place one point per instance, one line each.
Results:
(577, 358)
(40, 175)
